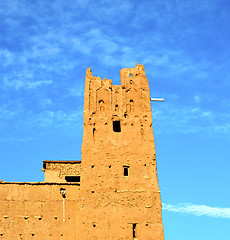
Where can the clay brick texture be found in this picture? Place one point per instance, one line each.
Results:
(113, 192)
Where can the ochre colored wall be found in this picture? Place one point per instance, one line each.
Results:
(56, 171)
(110, 202)
(106, 204)
(35, 211)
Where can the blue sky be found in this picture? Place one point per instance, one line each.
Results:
(45, 49)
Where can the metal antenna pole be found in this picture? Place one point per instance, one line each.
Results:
(157, 99)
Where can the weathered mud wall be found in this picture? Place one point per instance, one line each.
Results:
(57, 171)
(120, 197)
(38, 211)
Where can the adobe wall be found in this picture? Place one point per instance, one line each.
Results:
(119, 196)
(112, 205)
(37, 211)
(56, 171)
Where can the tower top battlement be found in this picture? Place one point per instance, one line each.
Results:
(130, 98)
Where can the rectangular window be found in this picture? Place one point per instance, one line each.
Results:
(116, 126)
(126, 171)
(134, 230)
(72, 178)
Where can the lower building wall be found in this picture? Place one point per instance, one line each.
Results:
(121, 216)
(38, 211)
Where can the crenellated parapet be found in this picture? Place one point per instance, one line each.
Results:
(130, 98)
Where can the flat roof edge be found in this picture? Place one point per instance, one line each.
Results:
(39, 183)
(61, 161)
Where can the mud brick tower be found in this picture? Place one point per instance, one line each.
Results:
(119, 193)
(113, 192)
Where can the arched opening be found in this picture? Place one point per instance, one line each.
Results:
(101, 105)
(131, 103)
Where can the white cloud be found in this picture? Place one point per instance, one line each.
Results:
(197, 210)
(24, 83)
(173, 117)
(56, 119)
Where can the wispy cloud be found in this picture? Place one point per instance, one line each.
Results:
(45, 48)
(57, 119)
(191, 118)
(21, 81)
(197, 210)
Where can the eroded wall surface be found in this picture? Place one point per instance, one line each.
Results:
(120, 197)
(38, 211)
(57, 171)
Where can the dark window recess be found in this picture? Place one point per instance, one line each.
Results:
(72, 178)
(126, 171)
(116, 126)
(94, 132)
(134, 230)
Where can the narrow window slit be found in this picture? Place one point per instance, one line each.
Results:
(116, 126)
(94, 132)
(134, 230)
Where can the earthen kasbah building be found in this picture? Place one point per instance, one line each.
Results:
(113, 192)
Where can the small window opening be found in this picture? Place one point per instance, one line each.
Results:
(109, 166)
(72, 178)
(116, 126)
(32, 234)
(130, 75)
(94, 132)
(94, 224)
(134, 230)
(126, 171)
(131, 107)
(116, 107)
(131, 81)
(101, 105)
